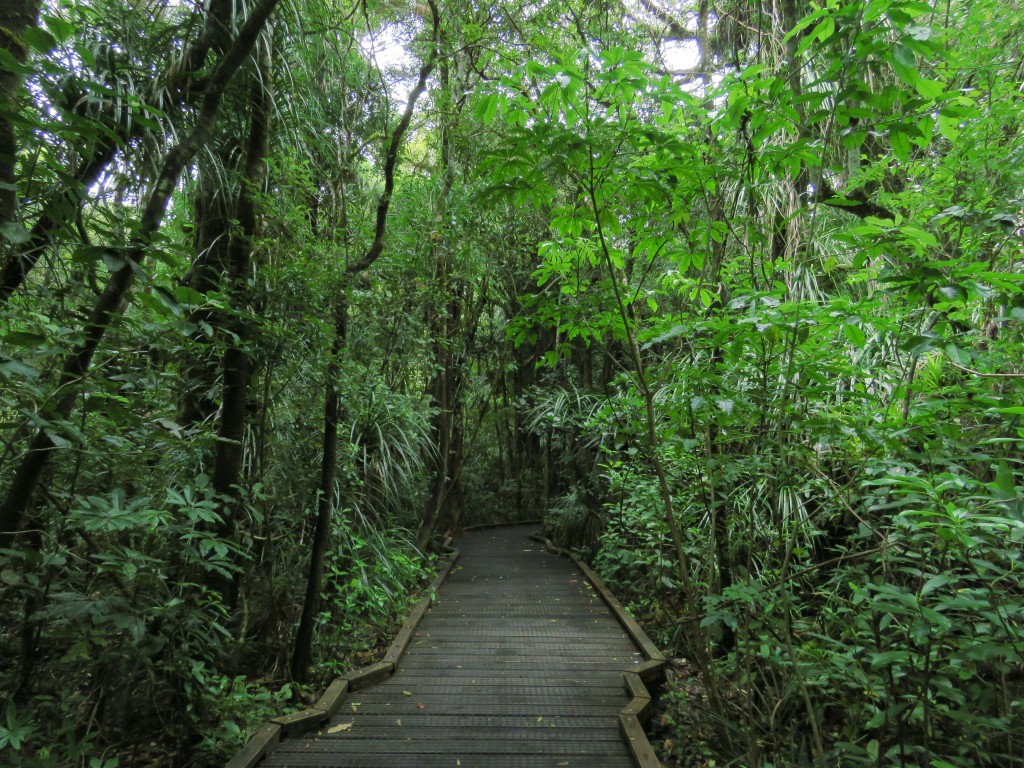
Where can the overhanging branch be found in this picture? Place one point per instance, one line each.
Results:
(377, 247)
(855, 201)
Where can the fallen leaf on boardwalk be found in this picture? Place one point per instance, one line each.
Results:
(407, 693)
(539, 719)
(355, 706)
(340, 728)
(420, 706)
(398, 722)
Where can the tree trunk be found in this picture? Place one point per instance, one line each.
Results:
(325, 493)
(211, 238)
(442, 320)
(227, 469)
(303, 652)
(16, 16)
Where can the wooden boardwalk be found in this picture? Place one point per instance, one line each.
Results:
(518, 665)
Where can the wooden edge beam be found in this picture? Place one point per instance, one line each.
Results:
(635, 631)
(540, 538)
(330, 700)
(635, 685)
(636, 740)
(640, 697)
(640, 708)
(367, 676)
(406, 633)
(297, 722)
(404, 637)
(651, 651)
(652, 672)
(262, 743)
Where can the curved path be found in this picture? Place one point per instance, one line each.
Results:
(518, 665)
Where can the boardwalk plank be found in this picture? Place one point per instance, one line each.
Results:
(518, 664)
(377, 759)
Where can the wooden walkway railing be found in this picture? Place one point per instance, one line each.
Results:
(518, 664)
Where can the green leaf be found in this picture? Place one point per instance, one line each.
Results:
(958, 355)
(854, 334)
(888, 658)
(875, 8)
(900, 142)
(954, 211)
(920, 33)
(183, 294)
(854, 139)
(825, 29)
(14, 233)
(1005, 483)
(486, 108)
(1015, 410)
(935, 582)
(40, 40)
(57, 440)
(24, 339)
(112, 261)
(804, 23)
(930, 89)
(918, 345)
(904, 63)
(8, 63)
(10, 369)
(62, 29)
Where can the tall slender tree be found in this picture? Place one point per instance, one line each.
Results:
(325, 496)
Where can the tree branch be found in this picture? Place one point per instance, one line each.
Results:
(855, 201)
(675, 29)
(182, 74)
(377, 247)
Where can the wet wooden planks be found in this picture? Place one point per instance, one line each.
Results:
(518, 665)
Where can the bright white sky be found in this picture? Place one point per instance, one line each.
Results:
(388, 47)
(680, 55)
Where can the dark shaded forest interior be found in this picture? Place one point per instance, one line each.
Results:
(728, 292)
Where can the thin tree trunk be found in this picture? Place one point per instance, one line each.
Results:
(652, 448)
(212, 235)
(442, 320)
(76, 365)
(302, 652)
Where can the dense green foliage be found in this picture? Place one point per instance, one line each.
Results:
(746, 329)
(808, 275)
